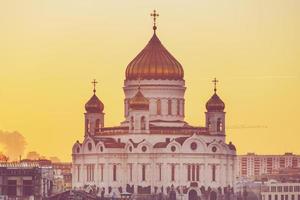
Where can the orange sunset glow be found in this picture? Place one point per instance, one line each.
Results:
(52, 50)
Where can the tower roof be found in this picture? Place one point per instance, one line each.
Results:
(139, 102)
(94, 105)
(154, 62)
(215, 103)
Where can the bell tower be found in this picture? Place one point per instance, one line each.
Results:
(215, 115)
(139, 113)
(94, 116)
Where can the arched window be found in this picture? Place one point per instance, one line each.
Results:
(143, 123)
(178, 106)
(114, 172)
(189, 172)
(219, 125)
(97, 126)
(158, 107)
(132, 123)
(197, 173)
(87, 126)
(143, 172)
(169, 107)
(172, 172)
(214, 173)
(208, 123)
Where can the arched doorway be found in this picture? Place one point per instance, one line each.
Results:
(213, 195)
(193, 195)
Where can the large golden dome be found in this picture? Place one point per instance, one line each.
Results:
(154, 62)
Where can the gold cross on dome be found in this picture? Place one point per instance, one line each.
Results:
(154, 15)
(215, 81)
(94, 83)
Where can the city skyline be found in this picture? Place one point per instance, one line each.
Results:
(52, 52)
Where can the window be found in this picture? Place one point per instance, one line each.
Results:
(279, 188)
(189, 172)
(282, 197)
(159, 169)
(286, 197)
(193, 145)
(78, 173)
(219, 125)
(77, 149)
(197, 173)
(90, 146)
(114, 172)
(286, 188)
(143, 123)
(178, 106)
(173, 172)
(291, 188)
(27, 187)
(158, 104)
(97, 126)
(173, 148)
(144, 148)
(130, 171)
(11, 187)
(90, 172)
(270, 197)
(273, 189)
(143, 172)
(101, 172)
(293, 197)
(87, 126)
(169, 107)
(298, 196)
(193, 172)
(132, 123)
(276, 197)
(213, 173)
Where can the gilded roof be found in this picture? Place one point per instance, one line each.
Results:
(139, 102)
(154, 62)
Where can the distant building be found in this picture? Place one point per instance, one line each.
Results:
(280, 191)
(25, 181)
(252, 165)
(62, 177)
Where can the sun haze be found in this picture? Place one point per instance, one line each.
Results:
(51, 50)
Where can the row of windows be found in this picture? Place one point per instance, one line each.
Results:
(193, 172)
(88, 126)
(283, 189)
(170, 107)
(282, 197)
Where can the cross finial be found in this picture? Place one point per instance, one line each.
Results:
(215, 81)
(154, 15)
(94, 83)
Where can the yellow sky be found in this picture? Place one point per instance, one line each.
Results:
(50, 51)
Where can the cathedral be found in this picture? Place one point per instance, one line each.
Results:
(154, 150)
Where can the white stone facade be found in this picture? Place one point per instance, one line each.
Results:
(154, 150)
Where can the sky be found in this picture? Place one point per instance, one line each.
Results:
(51, 50)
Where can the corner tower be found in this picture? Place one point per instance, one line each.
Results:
(161, 80)
(215, 115)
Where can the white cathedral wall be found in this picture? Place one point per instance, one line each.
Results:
(224, 160)
(158, 89)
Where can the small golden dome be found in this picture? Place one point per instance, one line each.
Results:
(154, 62)
(139, 102)
(94, 105)
(215, 104)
